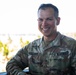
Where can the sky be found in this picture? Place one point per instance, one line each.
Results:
(20, 16)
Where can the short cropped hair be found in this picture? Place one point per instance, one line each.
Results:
(44, 6)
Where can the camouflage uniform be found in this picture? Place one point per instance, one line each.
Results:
(57, 57)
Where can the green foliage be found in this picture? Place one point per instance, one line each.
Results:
(9, 40)
(6, 50)
(39, 36)
(23, 43)
(75, 35)
(1, 45)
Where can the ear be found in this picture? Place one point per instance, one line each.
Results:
(58, 21)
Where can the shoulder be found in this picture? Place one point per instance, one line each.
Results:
(68, 41)
(35, 42)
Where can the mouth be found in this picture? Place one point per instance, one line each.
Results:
(45, 29)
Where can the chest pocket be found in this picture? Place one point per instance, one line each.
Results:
(58, 58)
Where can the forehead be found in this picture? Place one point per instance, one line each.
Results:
(46, 12)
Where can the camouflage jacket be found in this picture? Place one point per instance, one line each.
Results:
(57, 57)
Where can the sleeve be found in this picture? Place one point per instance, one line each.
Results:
(73, 64)
(16, 65)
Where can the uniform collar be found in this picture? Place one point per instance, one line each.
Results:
(55, 42)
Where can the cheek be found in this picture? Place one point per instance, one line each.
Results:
(52, 24)
(39, 26)
(39, 23)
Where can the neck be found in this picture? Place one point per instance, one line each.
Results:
(50, 38)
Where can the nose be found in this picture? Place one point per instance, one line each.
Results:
(44, 23)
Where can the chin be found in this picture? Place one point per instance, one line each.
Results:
(46, 35)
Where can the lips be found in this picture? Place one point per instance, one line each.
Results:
(45, 29)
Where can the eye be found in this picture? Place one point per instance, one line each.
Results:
(49, 19)
(40, 20)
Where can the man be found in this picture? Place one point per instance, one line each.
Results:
(53, 54)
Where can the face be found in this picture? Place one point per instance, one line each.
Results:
(47, 23)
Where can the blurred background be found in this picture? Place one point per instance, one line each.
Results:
(18, 24)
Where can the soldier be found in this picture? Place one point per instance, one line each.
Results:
(53, 54)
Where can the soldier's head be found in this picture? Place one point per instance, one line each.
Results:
(48, 19)
(45, 6)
